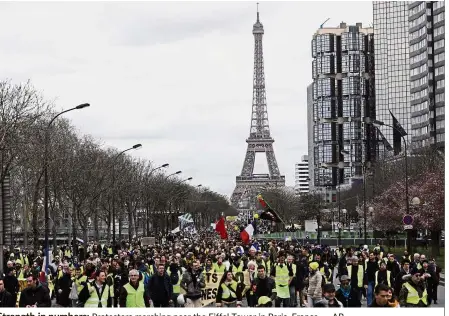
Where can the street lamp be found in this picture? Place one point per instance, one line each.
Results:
(46, 149)
(173, 174)
(377, 124)
(415, 202)
(147, 214)
(188, 179)
(113, 188)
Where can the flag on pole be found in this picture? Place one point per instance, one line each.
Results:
(385, 141)
(398, 133)
(184, 220)
(221, 228)
(247, 233)
(268, 214)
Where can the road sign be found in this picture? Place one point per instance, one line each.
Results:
(339, 225)
(407, 220)
(406, 227)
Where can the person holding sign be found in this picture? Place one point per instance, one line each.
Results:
(229, 294)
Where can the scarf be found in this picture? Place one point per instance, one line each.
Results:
(346, 292)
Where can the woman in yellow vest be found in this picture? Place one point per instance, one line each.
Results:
(97, 293)
(229, 294)
(133, 294)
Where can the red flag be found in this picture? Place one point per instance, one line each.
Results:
(221, 228)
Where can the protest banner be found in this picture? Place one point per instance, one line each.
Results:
(213, 281)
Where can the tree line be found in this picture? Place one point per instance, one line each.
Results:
(81, 184)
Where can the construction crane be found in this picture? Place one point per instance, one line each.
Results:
(321, 26)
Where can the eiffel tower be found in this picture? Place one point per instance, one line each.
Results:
(260, 140)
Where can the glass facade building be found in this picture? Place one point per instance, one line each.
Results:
(426, 39)
(391, 49)
(342, 94)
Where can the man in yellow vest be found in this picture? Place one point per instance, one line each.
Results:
(356, 274)
(133, 293)
(283, 278)
(293, 281)
(175, 274)
(97, 293)
(413, 292)
(383, 276)
(79, 281)
(219, 266)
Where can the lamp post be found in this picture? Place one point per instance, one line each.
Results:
(188, 179)
(173, 174)
(113, 188)
(148, 208)
(376, 124)
(46, 152)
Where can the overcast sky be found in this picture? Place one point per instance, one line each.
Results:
(174, 76)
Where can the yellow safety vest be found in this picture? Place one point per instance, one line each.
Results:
(327, 277)
(20, 276)
(217, 268)
(94, 301)
(282, 279)
(359, 276)
(68, 253)
(239, 268)
(177, 286)
(111, 287)
(413, 296)
(78, 282)
(150, 270)
(110, 252)
(135, 297)
(24, 260)
(227, 293)
(388, 277)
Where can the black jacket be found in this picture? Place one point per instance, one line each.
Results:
(351, 301)
(371, 269)
(264, 287)
(38, 296)
(6, 299)
(160, 287)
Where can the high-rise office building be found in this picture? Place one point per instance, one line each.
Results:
(426, 39)
(302, 176)
(310, 136)
(343, 94)
(392, 71)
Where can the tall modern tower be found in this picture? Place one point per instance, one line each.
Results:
(426, 38)
(391, 48)
(259, 140)
(343, 95)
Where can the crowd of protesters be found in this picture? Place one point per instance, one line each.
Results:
(171, 273)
